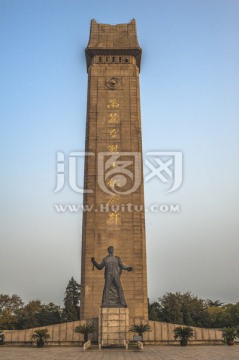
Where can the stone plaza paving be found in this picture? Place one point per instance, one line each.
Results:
(194, 352)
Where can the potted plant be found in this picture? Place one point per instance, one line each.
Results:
(229, 335)
(40, 335)
(184, 333)
(140, 329)
(2, 338)
(85, 329)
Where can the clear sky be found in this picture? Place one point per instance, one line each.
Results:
(189, 103)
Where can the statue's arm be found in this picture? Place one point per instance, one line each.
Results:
(124, 267)
(95, 263)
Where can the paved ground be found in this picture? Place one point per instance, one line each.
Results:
(219, 352)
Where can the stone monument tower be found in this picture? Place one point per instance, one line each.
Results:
(113, 183)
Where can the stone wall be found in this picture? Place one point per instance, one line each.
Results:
(163, 333)
(60, 334)
(63, 334)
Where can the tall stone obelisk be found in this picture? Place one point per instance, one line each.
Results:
(113, 167)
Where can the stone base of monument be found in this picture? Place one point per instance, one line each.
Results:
(113, 327)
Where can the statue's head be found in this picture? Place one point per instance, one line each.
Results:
(111, 250)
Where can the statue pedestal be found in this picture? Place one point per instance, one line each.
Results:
(113, 326)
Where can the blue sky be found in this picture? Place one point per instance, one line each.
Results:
(189, 102)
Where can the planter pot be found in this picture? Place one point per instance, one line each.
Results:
(230, 342)
(40, 344)
(86, 337)
(183, 342)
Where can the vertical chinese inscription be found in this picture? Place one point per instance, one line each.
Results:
(113, 216)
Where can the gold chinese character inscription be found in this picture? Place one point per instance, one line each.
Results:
(113, 148)
(113, 182)
(112, 104)
(113, 133)
(114, 199)
(113, 218)
(113, 118)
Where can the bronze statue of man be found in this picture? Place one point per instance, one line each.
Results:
(113, 295)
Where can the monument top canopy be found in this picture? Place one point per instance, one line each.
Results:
(107, 39)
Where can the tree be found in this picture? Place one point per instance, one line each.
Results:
(26, 316)
(49, 314)
(216, 316)
(229, 335)
(230, 316)
(15, 315)
(184, 333)
(140, 329)
(154, 311)
(85, 329)
(9, 306)
(183, 308)
(71, 310)
(170, 305)
(36, 314)
(40, 335)
(216, 303)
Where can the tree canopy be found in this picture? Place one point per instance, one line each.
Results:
(15, 315)
(178, 308)
(71, 310)
(188, 309)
